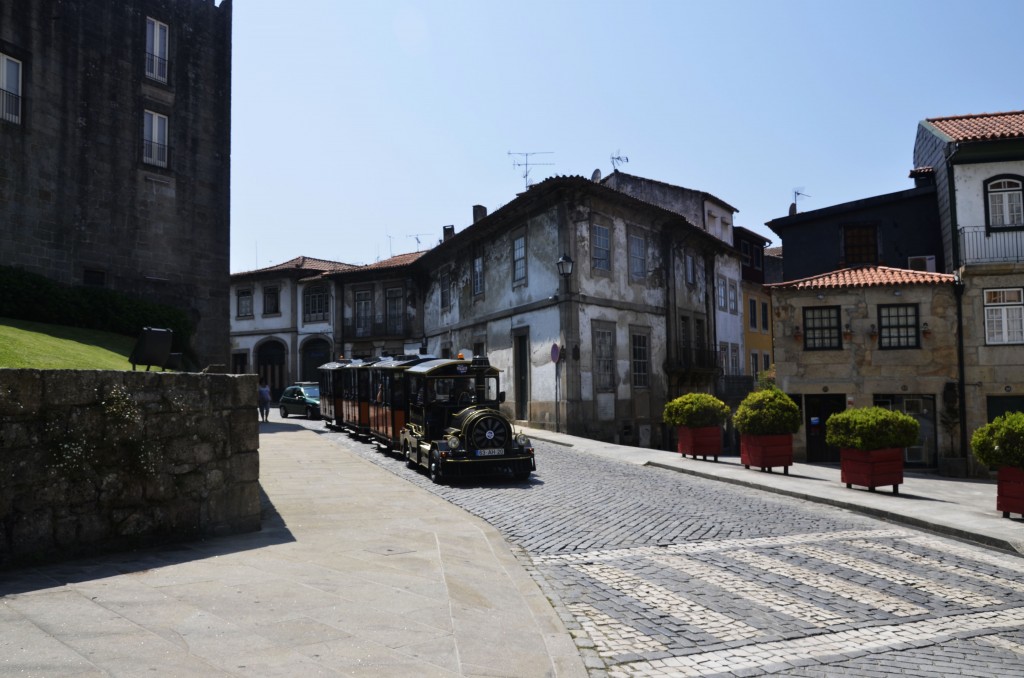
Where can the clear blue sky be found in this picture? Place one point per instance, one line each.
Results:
(359, 126)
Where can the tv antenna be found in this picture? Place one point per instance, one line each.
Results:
(526, 164)
(797, 194)
(417, 236)
(618, 159)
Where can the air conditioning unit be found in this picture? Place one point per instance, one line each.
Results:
(923, 263)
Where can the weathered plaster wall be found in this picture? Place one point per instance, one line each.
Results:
(96, 461)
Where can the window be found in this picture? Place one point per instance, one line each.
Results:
(734, 360)
(10, 89)
(156, 50)
(758, 258)
(314, 303)
(822, 329)
(519, 259)
(641, 360)
(753, 314)
(745, 253)
(395, 311)
(604, 359)
(1004, 316)
(755, 363)
(364, 313)
(767, 361)
(244, 306)
(446, 289)
(601, 248)
(691, 270)
(720, 294)
(271, 300)
(1004, 202)
(734, 306)
(154, 150)
(860, 245)
(898, 326)
(637, 256)
(478, 275)
(764, 316)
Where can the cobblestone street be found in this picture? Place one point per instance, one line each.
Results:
(661, 574)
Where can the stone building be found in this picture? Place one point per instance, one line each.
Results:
(115, 130)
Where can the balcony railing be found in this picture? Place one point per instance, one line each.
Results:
(689, 358)
(10, 107)
(154, 153)
(979, 245)
(156, 67)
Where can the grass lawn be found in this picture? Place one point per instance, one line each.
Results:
(41, 346)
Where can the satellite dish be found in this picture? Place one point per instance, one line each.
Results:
(596, 176)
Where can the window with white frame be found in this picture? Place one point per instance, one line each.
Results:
(767, 361)
(764, 316)
(822, 328)
(243, 308)
(1004, 316)
(604, 358)
(641, 359)
(364, 313)
(478, 275)
(395, 309)
(637, 256)
(898, 326)
(1005, 207)
(734, 295)
(10, 89)
(156, 49)
(735, 367)
(519, 260)
(755, 363)
(154, 139)
(720, 292)
(314, 303)
(600, 248)
(691, 269)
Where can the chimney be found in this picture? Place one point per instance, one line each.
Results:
(479, 212)
(448, 232)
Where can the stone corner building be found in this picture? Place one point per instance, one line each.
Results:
(115, 133)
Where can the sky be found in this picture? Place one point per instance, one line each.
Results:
(361, 129)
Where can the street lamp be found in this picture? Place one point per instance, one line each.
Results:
(565, 266)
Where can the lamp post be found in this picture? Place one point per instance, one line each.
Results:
(564, 265)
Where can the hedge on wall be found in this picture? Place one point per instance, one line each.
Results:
(29, 296)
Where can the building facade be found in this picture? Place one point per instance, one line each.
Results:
(115, 132)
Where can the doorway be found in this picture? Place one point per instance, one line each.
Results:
(521, 370)
(270, 364)
(817, 410)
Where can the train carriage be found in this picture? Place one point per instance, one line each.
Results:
(331, 391)
(388, 408)
(355, 400)
(455, 427)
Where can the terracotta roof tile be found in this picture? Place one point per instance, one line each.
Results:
(981, 126)
(395, 261)
(866, 276)
(304, 264)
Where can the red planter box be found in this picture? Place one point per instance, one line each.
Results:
(872, 468)
(1010, 491)
(764, 452)
(705, 441)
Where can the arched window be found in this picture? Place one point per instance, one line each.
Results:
(314, 303)
(1003, 201)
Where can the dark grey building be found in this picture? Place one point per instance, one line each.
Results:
(115, 133)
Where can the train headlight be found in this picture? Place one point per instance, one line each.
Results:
(522, 440)
(454, 443)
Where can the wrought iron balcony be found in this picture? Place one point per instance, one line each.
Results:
(156, 67)
(154, 153)
(689, 358)
(10, 107)
(980, 245)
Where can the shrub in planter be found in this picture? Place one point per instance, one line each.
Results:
(1001, 444)
(871, 442)
(766, 421)
(698, 418)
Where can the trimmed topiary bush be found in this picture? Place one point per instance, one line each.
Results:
(767, 412)
(871, 428)
(695, 410)
(1001, 442)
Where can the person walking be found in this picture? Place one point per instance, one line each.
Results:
(263, 395)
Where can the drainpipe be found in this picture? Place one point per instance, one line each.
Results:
(958, 291)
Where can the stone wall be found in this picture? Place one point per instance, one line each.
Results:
(95, 461)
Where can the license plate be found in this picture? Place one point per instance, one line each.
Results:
(490, 453)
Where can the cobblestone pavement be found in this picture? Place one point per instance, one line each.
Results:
(662, 574)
